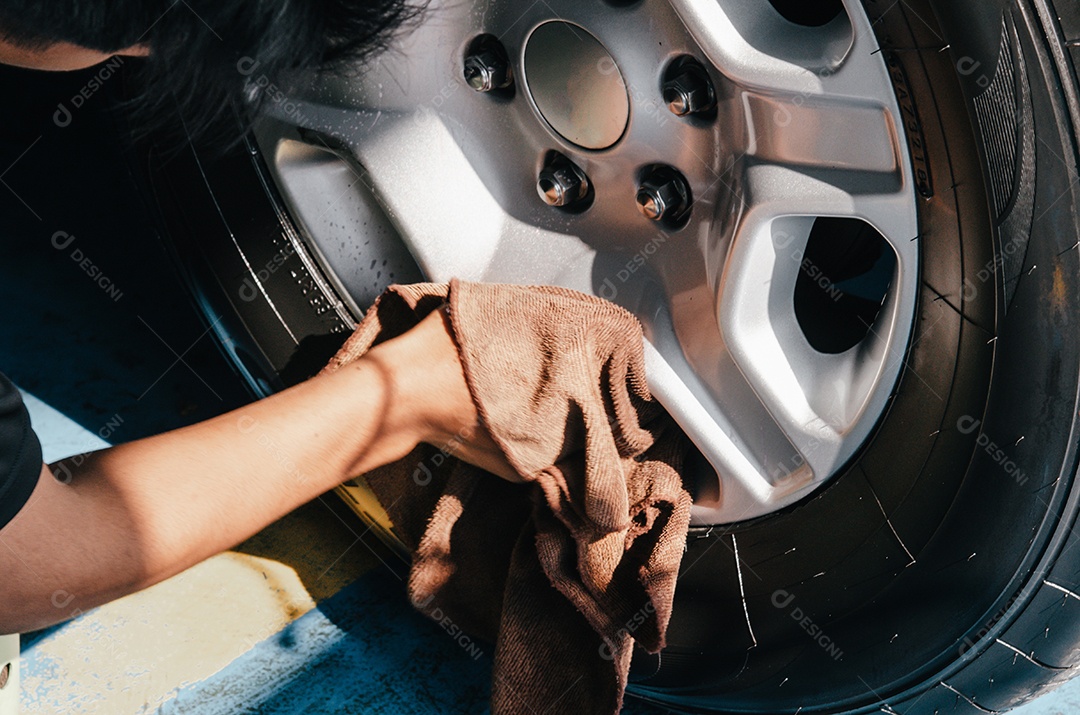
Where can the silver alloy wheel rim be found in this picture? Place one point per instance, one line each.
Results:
(807, 125)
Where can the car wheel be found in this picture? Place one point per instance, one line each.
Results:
(850, 233)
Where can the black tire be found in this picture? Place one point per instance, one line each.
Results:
(937, 573)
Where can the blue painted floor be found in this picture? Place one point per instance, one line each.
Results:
(309, 616)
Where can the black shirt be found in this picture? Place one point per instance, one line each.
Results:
(20, 453)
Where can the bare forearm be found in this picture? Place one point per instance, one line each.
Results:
(129, 516)
(124, 518)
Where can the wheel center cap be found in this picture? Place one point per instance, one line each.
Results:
(576, 85)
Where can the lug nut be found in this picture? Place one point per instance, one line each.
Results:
(486, 71)
(689, 92)
(561, 184)
(663, 196)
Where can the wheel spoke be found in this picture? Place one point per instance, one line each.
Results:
(815, 398)
(841, 137)
(822, 140)
(805, 126)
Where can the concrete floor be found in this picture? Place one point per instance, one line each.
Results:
(307, 617)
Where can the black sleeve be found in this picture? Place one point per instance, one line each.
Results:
(20, 453)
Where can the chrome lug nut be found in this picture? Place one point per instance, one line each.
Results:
(663, 196)
(561, 184)
(689, 92)
(486, 71)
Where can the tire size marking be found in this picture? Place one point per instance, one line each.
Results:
(912, 126)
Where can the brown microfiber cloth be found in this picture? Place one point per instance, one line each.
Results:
(565, 572)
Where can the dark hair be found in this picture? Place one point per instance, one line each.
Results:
(205, 53)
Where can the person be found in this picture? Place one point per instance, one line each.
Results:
(118, 520)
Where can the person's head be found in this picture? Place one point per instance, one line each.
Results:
(199, 53)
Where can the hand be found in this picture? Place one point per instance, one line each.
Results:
(430, 389)
(153, 507)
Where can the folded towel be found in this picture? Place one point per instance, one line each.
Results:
(567, 571)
